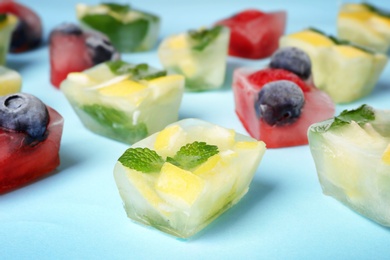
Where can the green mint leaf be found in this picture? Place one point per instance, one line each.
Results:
(204, 37)
(138, 72)
(377, 10)
(3, 17)
(126, 37)
(142, 159)
(338, 41)
(116, 122)
(361, 115)
(193, 154)
(118, 8)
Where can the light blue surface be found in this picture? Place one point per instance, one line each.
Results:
(77, 213)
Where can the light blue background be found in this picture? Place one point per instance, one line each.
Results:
(77, 212)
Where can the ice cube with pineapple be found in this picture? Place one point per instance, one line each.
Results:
(364, 24)
(352, 157)
(199, 55)
(182, 178)
(343, 70)
(123, 101)
(10, 81)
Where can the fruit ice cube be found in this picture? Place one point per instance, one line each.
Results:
(28, 32)
(186, 175)
(255, 34)
(129, 30)
(8, 23)
(123, 101)
(30, 135)
(199, 55)
(364, 24)
(75, 50)
(341, 69)
(10, 81)
(352, 157)
(276, 105)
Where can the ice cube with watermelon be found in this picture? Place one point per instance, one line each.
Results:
(182, 178)
(73, 50)
(278, 103)
(254, 34)
(123, 101)
(129, 29)
(27, 34)
(30, 136)
(200, 55)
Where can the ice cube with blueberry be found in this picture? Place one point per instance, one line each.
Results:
(182, 178)
(199, 55)
(123, 101)
(30, 136)
(27, 34)
(129, 29)
(352, 156)
(278, 103)
(73, 50)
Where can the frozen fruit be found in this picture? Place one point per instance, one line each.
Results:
(255, 34)
(199, 55)
(279, 102)
(7, 25)
(10, 81)
(277, 106)
(123, 101)
(343, 70)
(351, 154)
(129, 30)
(292, 59)
(75, 50)
(182, 178)
(28, 32)
(30, 135)
(364, 24)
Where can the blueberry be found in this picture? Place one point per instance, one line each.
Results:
(292, 59)
(23, 112)
(24, 38)
(279, 102)
(100, 49)
(69, 29)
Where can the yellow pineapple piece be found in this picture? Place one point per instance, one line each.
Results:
(386, 155)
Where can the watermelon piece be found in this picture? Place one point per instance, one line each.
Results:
(28, 33)
(255, 34)
(75, 50)
(26, 156)
(247, 84)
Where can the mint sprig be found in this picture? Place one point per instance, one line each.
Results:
(188, 157)
(142, 159)
(3, 17)
(360, 115)
(204, 37)
(377, 10)
(118, 8)
(138, 71)
(193, 154)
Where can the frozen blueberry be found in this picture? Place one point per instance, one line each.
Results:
(101, 49)
(292, 59)
(279, 102)
(24, 38)
(23, 112)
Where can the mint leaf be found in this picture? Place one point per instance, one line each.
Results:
(118, 8)
(193, 154)
(3, 17)
(377, 10)
(116, 123)
(361, 115)
(338, 41)
(142, 159)
(126, 37)
(204, 37)
(138, 72)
